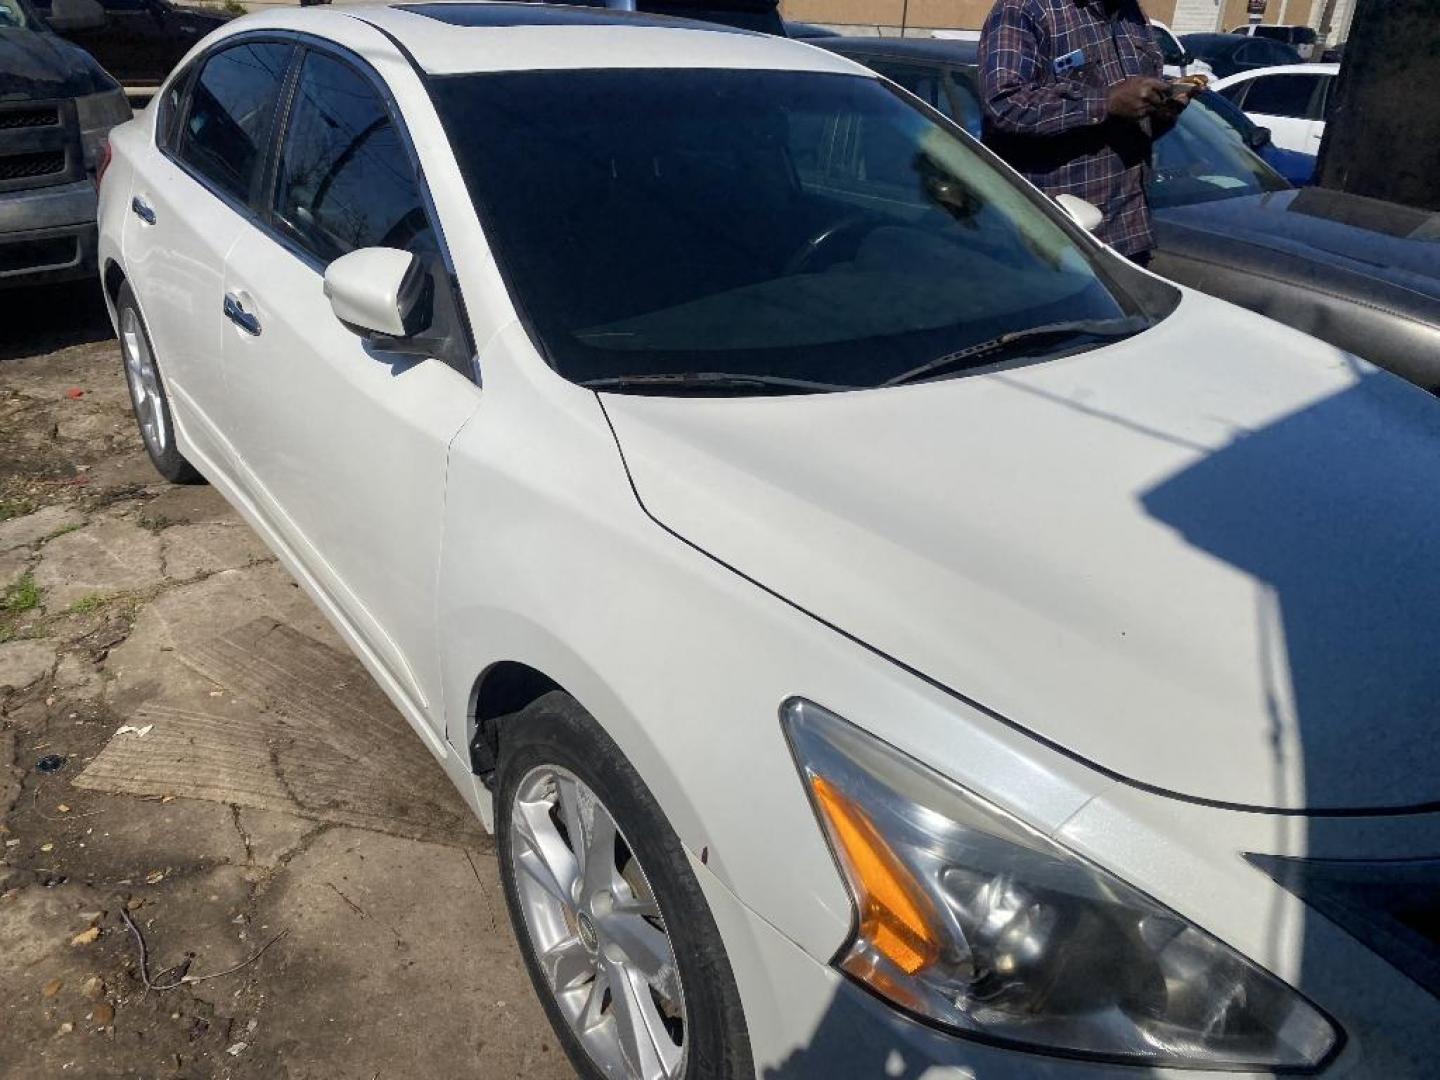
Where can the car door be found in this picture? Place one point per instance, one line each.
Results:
(1286, 103)
(343, 446)
(190, 198)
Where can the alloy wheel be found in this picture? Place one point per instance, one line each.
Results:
(144, 380)
(596, 928)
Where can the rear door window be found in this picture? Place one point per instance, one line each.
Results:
(1283, 95)
(230, 115)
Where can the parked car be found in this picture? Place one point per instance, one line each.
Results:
(137, 41)
(1230, 53)
(56, 107)
(1302, 38)
(1361, 274)
(1178, 60)
(853, 595)
(1294, 166)
(1292, 101)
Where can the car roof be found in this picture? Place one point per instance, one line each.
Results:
(445, 37)
(936, 50)
(1214, 40)
(1279, 69)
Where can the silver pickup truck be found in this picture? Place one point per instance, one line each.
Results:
(56, 106)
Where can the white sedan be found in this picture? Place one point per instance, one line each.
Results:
(890, 633)
(1292, 100)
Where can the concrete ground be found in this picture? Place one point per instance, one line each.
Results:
(184, 741)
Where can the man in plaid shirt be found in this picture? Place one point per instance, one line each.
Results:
(1073, 99)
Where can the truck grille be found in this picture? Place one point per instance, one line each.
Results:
(45, 116)
(39, 145)
(17, 166)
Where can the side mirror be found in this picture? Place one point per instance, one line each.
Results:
(71, 15)
(1086, 214)
(379, 292)
(1259, 138)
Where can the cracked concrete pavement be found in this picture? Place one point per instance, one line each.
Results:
(265, 795)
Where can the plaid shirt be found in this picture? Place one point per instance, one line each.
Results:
(1054, 126)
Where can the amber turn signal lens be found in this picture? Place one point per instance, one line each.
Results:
(896, 917)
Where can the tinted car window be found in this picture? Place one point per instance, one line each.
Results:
(1201, 160)
(345, 180)
(1258, 52)
(1236, 91)
(232, 107)
(924, 83)
(1282, 95)
(967, 103)
(781, 225)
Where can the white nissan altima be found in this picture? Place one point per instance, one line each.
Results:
(890, 634)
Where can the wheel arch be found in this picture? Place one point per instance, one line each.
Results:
(502, 689)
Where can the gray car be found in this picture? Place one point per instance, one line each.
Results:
(1356, 272)
(56, 107)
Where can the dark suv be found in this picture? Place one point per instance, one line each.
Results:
(137, 41)
(56, 107)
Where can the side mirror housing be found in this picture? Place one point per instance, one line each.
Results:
(1259, 138)
(70, 15)
(378, 292)
(1086, 214)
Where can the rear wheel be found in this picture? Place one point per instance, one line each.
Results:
(147, 393)
(616, 934)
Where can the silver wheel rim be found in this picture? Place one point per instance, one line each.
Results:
(144, 380)
(596, 928)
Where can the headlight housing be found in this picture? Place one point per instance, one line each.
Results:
(969, 919)
(97, 114)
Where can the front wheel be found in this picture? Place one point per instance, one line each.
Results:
(147, 393)
(615, 932)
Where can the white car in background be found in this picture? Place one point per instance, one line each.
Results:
(1291, 100)
(889, 632)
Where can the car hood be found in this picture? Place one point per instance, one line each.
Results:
(1202, 559)
(1383, 241)
(38, 66)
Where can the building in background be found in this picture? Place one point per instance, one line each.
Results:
(1330, 18)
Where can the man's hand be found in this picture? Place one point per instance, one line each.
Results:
(1136, 97)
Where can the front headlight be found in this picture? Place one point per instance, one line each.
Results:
(97, 114)
(970, 919)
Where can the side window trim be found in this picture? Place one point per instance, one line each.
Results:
(246, 208)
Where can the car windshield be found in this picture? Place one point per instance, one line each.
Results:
(13, 15)
(1202, 158)
(793, 226)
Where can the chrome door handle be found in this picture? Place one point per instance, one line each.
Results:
(240, 317)
(142, 210)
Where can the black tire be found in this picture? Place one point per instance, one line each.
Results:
(555, 730)
(167, 459)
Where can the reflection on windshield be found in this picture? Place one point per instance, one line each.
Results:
(1202, 159)
(795, 226)
(12, 15)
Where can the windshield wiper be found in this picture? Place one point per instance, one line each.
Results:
(971, 355)
(717, 380)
